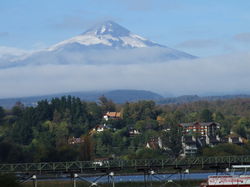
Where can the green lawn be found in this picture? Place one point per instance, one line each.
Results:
(191, 183)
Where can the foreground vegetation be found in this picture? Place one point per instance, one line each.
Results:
(7, 180)
(41, 133)
(186, 183)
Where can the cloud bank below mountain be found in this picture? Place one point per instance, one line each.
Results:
(223, 74)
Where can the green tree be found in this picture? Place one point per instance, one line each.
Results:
(12, 153)
(224, 150)
(241, 130)
(178, 116)
(241, 127)
(172, 140)
(218, 117)
(192, 116)
(40, 150)
(244, 122)
(8, 180)
(141, 110)
(86, 149)
(144, 125)
(61, 133)
(18, 109)
(106, 137)
(145, 153)
(2, 114)
(206, 116)
(107, 105)
(67, 152)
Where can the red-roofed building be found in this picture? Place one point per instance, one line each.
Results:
(112, 115)
(202, 129)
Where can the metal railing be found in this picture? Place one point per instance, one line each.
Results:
(83, 166)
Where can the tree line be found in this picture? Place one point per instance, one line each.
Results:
(41, 133)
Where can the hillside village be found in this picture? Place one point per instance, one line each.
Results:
(194, 135)
(67, 128)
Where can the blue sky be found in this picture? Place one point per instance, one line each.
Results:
(202, 28)
(218, 31)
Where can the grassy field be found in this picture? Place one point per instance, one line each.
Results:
(186, 183)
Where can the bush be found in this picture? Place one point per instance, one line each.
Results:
(7, 180)
(224, 150)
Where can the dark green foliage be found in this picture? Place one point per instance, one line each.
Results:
(2, 114)
(8, 181)
(144, 125)
(41, 133)
(107, 105)
(146, 153)
(142, 110)
(172, 140)
(86, 149)
(206, 116)
(44, 130)
(218, 117)
(224, 150)
(116, 124)
(11, 152)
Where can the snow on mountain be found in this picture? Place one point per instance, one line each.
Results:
(11, 54)
(109, 34)
(108, 43)
(7, 52)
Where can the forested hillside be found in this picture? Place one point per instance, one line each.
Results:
(118, 96)
(44, 132)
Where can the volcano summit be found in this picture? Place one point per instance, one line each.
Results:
(107, 43)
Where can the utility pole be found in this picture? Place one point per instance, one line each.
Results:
(34, 180)
(112, 176)
(74, 179)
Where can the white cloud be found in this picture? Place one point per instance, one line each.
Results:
(11, 51)
(39, 45)
(8, 54)
(96, 57)
(225, 74)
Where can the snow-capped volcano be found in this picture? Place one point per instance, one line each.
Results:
(107, 43)
(109, 34)
(110, 28)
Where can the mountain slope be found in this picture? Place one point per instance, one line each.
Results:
(109, 34)
(108, 43)
(118, 96)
